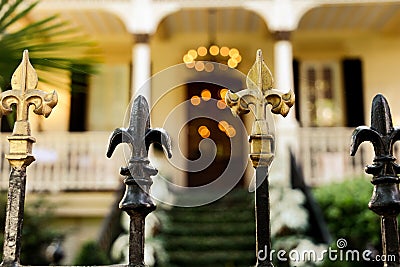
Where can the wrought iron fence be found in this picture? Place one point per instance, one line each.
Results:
(137, 202)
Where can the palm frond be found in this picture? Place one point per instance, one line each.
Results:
(54, 46)
(8, 18)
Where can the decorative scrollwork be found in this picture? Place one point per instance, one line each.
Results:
(260, 93)
(24, 93)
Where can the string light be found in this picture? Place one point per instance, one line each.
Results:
(206, 94)
(229, 56)
(228, 129)
(221, 104)
(214, 50)
(204, 131)
(222, 93)
(195, 100)
(199, 66)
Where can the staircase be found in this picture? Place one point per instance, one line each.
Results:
(218, 234)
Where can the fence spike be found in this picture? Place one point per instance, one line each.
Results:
(260, 93)
(136, 201)
(22, 95)
(385, 200)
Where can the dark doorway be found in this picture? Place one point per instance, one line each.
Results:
(209, 118)
(78, 109)
(353, 88)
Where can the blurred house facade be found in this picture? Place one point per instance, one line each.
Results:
(336, 55)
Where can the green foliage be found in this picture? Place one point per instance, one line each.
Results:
(37, 232)
(345, 207)
(54, 46)
(91, 254)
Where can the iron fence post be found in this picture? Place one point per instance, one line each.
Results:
(385, 200)
(260, 93)
(137, 202)
(23, 94)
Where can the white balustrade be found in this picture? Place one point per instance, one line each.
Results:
(324, 155)
(67, 162)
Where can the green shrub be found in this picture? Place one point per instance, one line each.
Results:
(91, 254)
(345, 208)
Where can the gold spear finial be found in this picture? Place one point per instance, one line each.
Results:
(259, 76)
(24, 94)
(260, 93)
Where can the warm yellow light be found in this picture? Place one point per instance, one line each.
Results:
(232, 63)
(203, 131)
(187, 58)
(202, 51)
(192, 53)
(222, 67)
(214, 50)
(221, 104)
(222, 93)
(195, 100)
(224, 51)
(206, 95)
(238, 58)
(209, 67)
(199, 66)
(190, 65)
(233, 52)
(223, 125)
(230, 131)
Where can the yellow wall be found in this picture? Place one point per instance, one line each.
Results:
(379, 53)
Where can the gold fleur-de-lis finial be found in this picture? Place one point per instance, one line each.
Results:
(260, 93)
(24, 93)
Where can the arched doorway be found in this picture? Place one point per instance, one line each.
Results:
(212, 129)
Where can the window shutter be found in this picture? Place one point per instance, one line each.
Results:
(353, 92)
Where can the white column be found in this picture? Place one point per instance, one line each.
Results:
(141, 67)
(286, 128)
(283, 62)
(283, 66)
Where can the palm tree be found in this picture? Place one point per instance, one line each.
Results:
(56, 50)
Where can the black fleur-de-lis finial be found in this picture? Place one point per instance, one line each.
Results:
(385, 200)
(139, 136)
(136, 200)
(382, 135)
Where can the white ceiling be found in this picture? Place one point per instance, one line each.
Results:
(360, 17)
(357, 17)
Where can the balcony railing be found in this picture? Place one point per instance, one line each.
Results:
(67, 161)
(76, 161)
(324, 154)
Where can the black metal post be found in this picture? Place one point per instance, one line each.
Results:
(385, 200)
(136, 201)
(263, 224)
